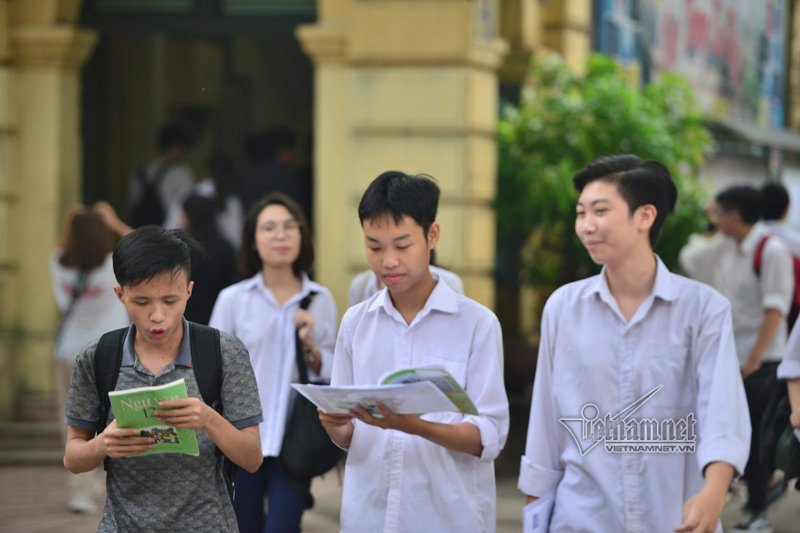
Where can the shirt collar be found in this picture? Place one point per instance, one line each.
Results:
(750, 243)
(257, 282)
(184, 351)
(663, 288)
(442, 298)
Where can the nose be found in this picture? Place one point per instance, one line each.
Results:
(158, 315)
(390, 260)
(585, 225)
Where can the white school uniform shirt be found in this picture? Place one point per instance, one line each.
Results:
(395, 482)
(249, 310)
(789, 236)
(680, 337)
(700, 257)
(751, 296)
(365, 284)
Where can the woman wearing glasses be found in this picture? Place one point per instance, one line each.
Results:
(264, 312)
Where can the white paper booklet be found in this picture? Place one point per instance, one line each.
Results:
(409, 399)
(536, 515)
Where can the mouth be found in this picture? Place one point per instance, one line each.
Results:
(592, 245)
(393, 278)
(281, 249)
(158, 333)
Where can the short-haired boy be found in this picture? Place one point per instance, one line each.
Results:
(163, 492)
(405, 472)
(601, 431)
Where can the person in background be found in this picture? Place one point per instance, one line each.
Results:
(774, 211)
(83, 287)
(162, 181)
(760, 303)
(275, 157)
(219, 185)
(700, 256)
(264, 311)
(213, 270)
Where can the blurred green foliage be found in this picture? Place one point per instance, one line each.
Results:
(563, 122)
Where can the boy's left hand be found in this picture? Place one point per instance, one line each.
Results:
(390, 420)
(701, 513)
(186, 413)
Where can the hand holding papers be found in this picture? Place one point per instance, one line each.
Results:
(411, 391)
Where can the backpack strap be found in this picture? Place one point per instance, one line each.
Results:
(299, 356)
(207, 363)
(759, 254)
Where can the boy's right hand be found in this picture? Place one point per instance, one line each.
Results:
(118, 442)
(331, 421)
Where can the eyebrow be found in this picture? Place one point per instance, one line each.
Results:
(270, 221)
(401, 237)
(158, 298)
(596, 201)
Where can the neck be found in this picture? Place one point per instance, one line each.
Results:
(635, 277)
(411, 302)
(279, 277)
(742, 232)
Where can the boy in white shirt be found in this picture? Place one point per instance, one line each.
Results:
(638, 420)
(406, 472)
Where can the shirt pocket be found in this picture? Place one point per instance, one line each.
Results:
(670, 365)
(451, 359)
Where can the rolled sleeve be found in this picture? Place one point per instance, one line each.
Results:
(536, 480)
(777, 277)
(487, 390)
(722, 413)
(247, 422)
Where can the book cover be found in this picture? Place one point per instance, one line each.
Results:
(133, 408)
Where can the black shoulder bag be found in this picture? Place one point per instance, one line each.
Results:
(307, 450)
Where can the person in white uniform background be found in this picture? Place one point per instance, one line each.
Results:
(405, 472)
(83, 281)
(650, 346)
(264, 312)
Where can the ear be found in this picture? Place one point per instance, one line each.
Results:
(190, 287)
(646, 217)
(433, 235)
(118, 292)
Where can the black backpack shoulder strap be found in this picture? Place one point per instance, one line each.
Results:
(107, 362)
(207, 363)
(299, 355)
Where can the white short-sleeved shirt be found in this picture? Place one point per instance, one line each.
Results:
(700, 257)
(789, 236)
(229, 220)
(395, 482)
(249, 310)
(97, 311)
(681, 338)
(751, 296)
(177, 181)
(365, 284)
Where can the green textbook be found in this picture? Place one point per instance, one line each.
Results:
(440, 377)
(133, 408)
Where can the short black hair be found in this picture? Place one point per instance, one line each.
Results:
(173, 135)
(200, 211)
(774, 201)
(249, 261)
(744, 199)
(398, 194)
(152, 250)
(638, 182)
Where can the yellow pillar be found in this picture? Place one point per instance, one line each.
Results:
(41, 84)
(399, 88)
(566, 27)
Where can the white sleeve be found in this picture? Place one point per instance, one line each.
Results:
(541, 469)
(59, 282)
(323, 307)
(777, 277)
(222, 314)
(176, 185)
(722, 415)
(486, 387)
(790, 366)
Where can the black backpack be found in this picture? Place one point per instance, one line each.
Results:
(207, 366)
(149, 209)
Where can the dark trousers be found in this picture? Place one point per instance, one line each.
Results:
(285, 503)
(759, 388)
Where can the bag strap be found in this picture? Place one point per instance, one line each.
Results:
(299, 356)
(107, 362)
(759, 254)
(77, 290)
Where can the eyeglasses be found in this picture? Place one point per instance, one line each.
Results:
(272, 228)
